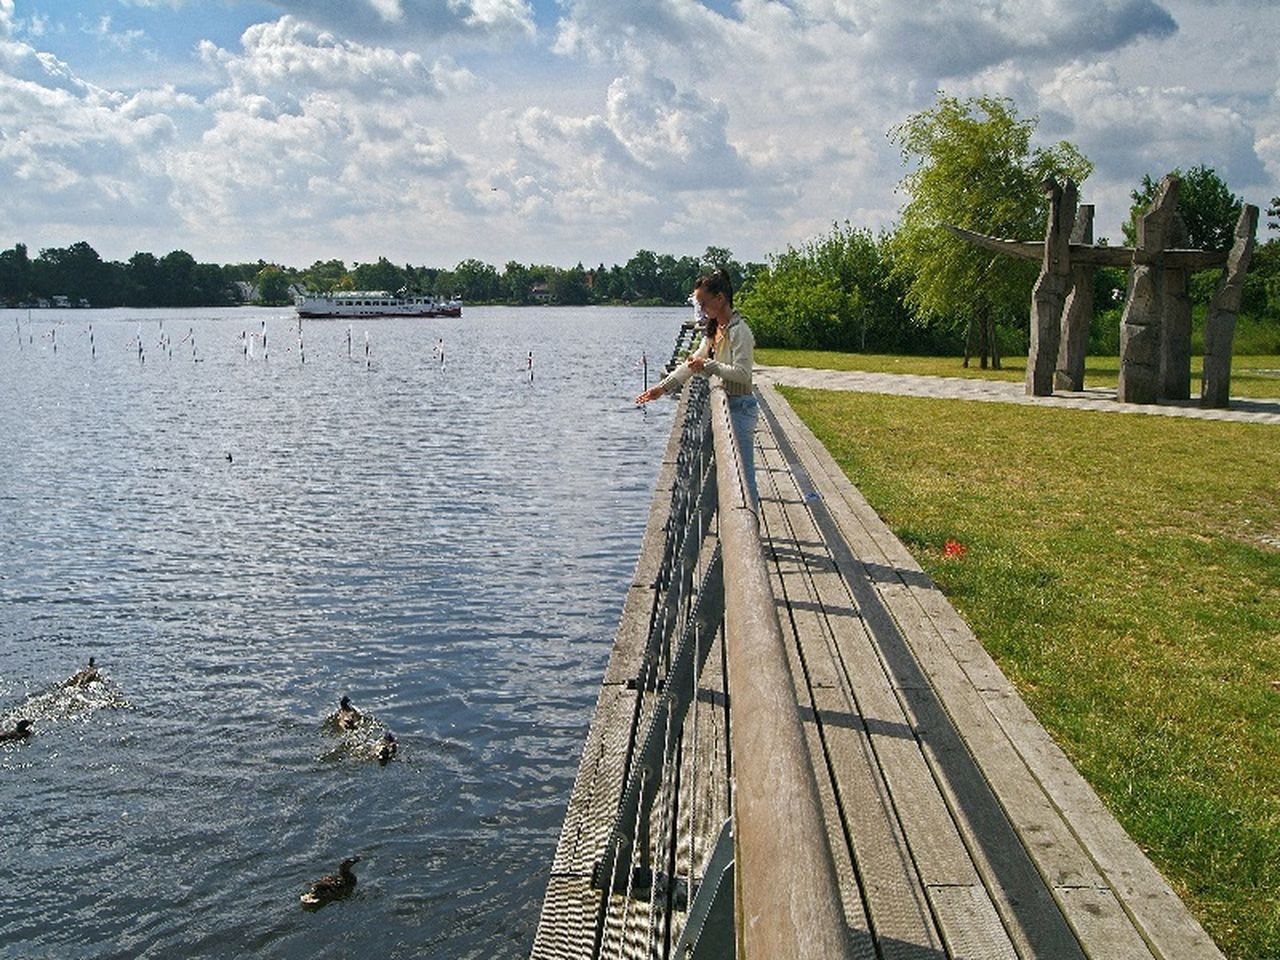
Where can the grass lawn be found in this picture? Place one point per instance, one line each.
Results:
(1251, 376)
(1125, 573)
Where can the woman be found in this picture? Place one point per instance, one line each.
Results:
(727, 350)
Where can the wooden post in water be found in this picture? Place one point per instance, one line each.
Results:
(788, 896)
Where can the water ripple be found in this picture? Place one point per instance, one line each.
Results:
(239, 543)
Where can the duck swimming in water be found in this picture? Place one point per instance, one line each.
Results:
(348, 717)
(20, 732)
(333, 887)
(84, 677)
(386, 747)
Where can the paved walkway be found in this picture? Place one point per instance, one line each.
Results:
(1003, 391)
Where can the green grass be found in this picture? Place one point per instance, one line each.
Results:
(1125, 573)
(1251, 376)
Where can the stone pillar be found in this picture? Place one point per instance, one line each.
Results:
(1051, 288)
(1077, 313)
(1220, 321)
(1175, 337)
(1142, 321)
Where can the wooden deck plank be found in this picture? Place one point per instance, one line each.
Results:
(1044, 794)
(940, 858)
(958, 827)
(872, 847)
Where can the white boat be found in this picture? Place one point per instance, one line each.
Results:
(374, 303)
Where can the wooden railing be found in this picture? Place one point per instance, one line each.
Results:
(788, 898)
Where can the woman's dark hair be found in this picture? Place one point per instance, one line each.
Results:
(712, 283)
(717, 282)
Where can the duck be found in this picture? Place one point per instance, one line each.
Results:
(19, 732)
(386, 748)
(84, 677)
(335, 886)
(348, 717)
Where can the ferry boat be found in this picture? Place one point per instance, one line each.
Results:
(374, 303)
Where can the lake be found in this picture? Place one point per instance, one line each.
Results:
(240, 536)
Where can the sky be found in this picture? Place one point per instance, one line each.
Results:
(566, 131)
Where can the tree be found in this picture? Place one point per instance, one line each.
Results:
(325, 276)
(383, 275)
(834, 293)
(272, 284)
(570, 286)
(1273, 212)
(1208, 208)
(973, 167)
(476, 281)
(15, 273)
(642, 275)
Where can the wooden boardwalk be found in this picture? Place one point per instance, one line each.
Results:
(958, 827)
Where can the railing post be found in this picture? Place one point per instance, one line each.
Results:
(788, 898)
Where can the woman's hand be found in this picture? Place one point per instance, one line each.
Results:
(653, 393)
(696, 364)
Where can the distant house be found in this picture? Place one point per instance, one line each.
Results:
(246, 291)
(540, 293)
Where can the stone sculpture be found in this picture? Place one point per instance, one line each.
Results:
(1155, 326)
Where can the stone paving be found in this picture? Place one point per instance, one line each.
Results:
(1002, 391)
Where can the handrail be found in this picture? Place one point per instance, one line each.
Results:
(788, 896)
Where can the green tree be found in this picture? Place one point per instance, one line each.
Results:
(835, 292)
(1273, 212)
(177, 280)
(642, 275)
(516, 282)
(272, 284)
(383, 275)
(1208, 209)
(973, 166)
(15, 273)
(325, 276)
(476, 281)
(570, 286)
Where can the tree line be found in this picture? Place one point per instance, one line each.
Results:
(177, 280)
(916, 288)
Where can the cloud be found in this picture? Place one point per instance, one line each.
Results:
(308, 128)
(655, 160)
(398, 21)
(946, 38)
(285, 57)
(1139, 129)
(121, 40)
(339, 129)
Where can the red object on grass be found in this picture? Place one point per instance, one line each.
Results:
(953, 549)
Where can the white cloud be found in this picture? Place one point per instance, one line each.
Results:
(397, 21)
(435, 130)
(123, 41)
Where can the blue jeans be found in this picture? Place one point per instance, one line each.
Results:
(743, 413)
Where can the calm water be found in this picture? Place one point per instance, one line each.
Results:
(450, 546)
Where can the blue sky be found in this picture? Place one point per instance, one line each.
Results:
(559, 131)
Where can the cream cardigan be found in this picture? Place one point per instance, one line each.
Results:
(734, 365)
